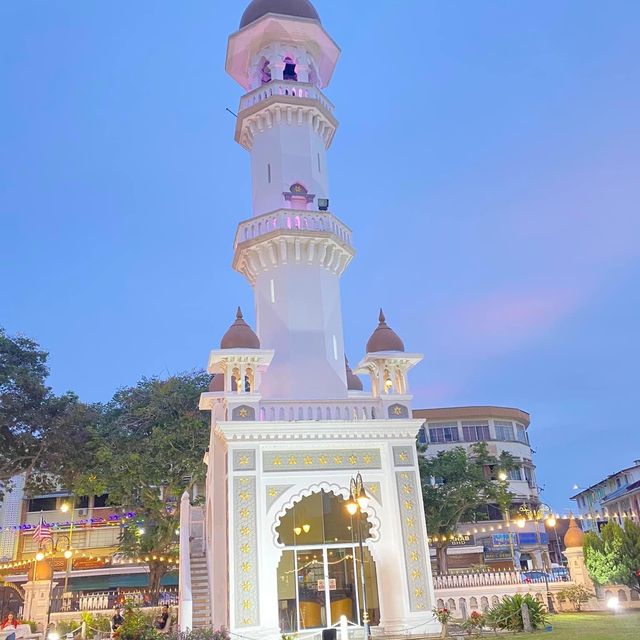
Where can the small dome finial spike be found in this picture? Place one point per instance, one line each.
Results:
(239, 313)
(381, 317)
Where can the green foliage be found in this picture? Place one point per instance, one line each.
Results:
(603, 555)
(149, 446)
(575, 594)
(137, 625)
(507, 614)
(455, 484)
(631, 554)
(43, 435)
(474, 623)
(95, 623)
(207, 634)
(66, 626)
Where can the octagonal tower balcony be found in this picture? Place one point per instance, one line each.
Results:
(290, 236)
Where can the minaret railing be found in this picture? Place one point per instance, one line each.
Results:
(285, 88)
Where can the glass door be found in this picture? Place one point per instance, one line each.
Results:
(341, 585)
(312, 609)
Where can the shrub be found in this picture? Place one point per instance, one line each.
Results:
(576, 594)
(66, 626)
(200, 634)
(507, 614)
(137, 626)
(474, 623)
(96, 623)
(443, 616)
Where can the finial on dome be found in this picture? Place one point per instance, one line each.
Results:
(384, 338)
(240, 335)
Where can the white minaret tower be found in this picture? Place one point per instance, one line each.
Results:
(292, 251)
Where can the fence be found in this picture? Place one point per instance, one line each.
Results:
(105, 600)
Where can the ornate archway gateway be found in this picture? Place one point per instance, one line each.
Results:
(318, 573)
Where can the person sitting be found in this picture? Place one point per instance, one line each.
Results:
(117, 621)
(10, 623)
(162, 621)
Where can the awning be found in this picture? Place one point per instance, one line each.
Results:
(104, 583)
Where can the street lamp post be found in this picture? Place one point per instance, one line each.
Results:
(357, 503)
(542, 512)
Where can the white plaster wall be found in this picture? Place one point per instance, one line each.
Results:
(300, 326)
(292, 151)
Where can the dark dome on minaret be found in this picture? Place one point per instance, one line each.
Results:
(240, 335)
(293, 8)
(384, 338)
(353, 382)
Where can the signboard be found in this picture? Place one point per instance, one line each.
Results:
(499, 540)
(462, 541)
(322, 584)
(531, 539)
(497, 556)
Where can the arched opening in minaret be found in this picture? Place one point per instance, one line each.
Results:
(265, 71)
(289, 72)
(319, 573)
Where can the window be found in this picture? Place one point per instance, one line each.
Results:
(522, 434)
(289, 72)
(475, 431)
(446, 432)
(265, 72)
(504, 431)
(515, 474)
(422, 436)
(42, 504)
(529, 476)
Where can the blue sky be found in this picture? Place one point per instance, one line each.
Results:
(488, 161)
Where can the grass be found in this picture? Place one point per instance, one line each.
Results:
(595, 626)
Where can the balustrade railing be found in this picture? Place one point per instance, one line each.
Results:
(105, 600)
(285, 88)
(291, 219)
(495, 578)
(292, 412)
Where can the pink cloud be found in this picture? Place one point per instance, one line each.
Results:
(504, 320)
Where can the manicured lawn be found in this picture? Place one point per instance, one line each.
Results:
(595, 626)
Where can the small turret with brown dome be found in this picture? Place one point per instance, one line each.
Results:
(384, 338)
(240, 335)
(574, 536)
(353, 382)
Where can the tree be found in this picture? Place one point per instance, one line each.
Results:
(456, 484)
(149, 447)
(631, 554)
(602, 554)
(43, 435)
(576, 594)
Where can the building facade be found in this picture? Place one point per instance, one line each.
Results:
(291, 425)
(494, 538)
(617, 496)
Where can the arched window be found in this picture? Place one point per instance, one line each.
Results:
(289, 72)
(265, 71)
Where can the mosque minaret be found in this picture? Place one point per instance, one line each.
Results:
(291, 423)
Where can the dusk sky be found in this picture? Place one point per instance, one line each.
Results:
(488, 161)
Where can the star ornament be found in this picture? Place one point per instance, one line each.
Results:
(273, 492)
(277, 461)
(403, 456)
(353, 459)
(244, 460)
(322, 459)
(397, 410)
(293, 460)
(307, 460)
(243, 413)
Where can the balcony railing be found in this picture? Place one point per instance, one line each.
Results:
(285, 88)
(291, 220)
(105, 600)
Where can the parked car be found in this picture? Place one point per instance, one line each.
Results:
(535, 576)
